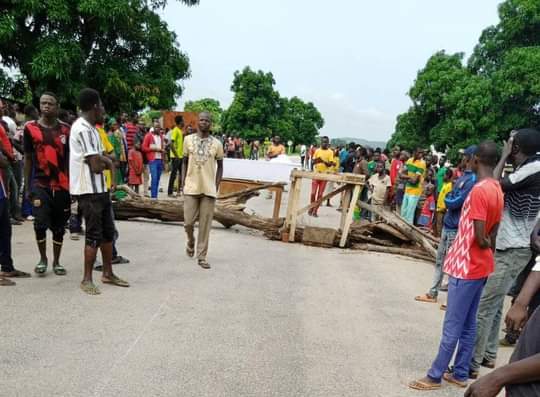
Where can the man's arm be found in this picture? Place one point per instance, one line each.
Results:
(455, 199)
(185, 163)
(219, 173)
(522, 371)
(480, 236)
(174, 150)
(506, 152)
(517, 315)
(4, 163)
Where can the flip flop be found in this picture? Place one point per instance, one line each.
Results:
(41, 268)
(423, 385)
(15, 274)
(90, 288)
(425, 298)
(204, 264)
(4, 282)
(114, 280)
(59, 270)
(450, 379)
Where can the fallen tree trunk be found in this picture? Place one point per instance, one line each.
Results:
(413, 253)
(390, 237)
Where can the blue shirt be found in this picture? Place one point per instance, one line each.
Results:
(343, 154)
(455, 199)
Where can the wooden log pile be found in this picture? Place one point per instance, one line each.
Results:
(390, 234)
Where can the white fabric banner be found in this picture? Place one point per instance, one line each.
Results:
(275, 170)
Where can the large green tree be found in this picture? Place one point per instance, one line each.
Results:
(258, 111)
(122, 48)
(498, 89)
(207, 105)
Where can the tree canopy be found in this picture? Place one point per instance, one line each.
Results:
(258, 111)
(121, 48)
(207, 105)
(455, 104)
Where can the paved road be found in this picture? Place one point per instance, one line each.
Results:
(270, 319)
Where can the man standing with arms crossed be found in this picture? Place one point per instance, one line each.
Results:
(177, 153)
(46, 158)
(202, 171)
(87, 182)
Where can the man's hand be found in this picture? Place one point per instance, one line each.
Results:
(486, 386)
(535, 238)
(516, 317)
(507, 147)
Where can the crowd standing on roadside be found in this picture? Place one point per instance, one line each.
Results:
(57, 169)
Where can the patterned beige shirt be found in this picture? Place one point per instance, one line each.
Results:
(202, 166)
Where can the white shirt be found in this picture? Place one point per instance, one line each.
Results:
(12, 126)
(84, 142)
(536, 267)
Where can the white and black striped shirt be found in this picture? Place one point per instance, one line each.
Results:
(84, 142)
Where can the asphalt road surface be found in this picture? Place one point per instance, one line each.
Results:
(269, 319)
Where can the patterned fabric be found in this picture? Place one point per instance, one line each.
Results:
(49, 149)
(522, 189)
(203, 154)
(465, 259)
(414, 168)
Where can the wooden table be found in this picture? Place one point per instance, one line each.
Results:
(350, 182)
(230, 185)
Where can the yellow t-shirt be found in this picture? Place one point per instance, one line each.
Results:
(415, 167)
(202, 165)
(326, 155)
(177, 136)
(446, 188)
(276, 150)
(109, 148)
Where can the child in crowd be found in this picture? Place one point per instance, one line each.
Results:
(379, 186)
(136, 165)
(446, 188)
(425, 220)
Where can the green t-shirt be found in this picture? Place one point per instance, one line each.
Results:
(177, 137)
(371, 167)
(440, 178)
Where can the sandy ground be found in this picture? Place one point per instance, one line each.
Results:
(269, 319)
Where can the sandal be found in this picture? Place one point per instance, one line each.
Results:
(114, 280)
(15, 274)
(204, 264)
(59, 270)
(424, 385)
(190, 250)
(90, 288)
(41, 268)
(4, 282)
(443, 307)
(450, 379)
(425, 298)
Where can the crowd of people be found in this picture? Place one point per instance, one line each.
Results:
(487, 218)
(67, 169)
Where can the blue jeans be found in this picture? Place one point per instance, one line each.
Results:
(156, 167)
(447, 238)
(459, 326)
(408, 207)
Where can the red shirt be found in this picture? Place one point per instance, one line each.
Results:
(131, 135)
(395, 167)
(8, 149)
(465, 259)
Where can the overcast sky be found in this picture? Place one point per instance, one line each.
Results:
(354, 59)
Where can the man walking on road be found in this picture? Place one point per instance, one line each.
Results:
(87, 182)
(522, 204)
(202, 171)
(46, 158)
(177, 153)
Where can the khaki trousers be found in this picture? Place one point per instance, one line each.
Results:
(203, 208)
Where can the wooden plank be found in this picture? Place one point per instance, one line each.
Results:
(319, 236)
(353, 179)
(350, 212)
(277, 203)
(345, 205)
(322, 199)
(288, 217)
(294, 214)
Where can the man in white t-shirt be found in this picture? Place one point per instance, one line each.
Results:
(87, 183)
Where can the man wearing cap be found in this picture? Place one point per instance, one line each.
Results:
(454, 202)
